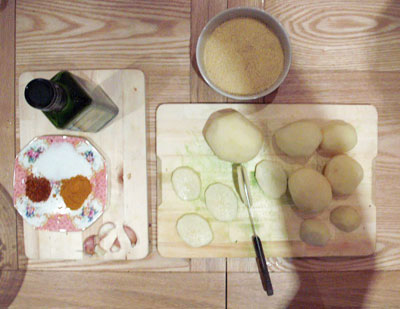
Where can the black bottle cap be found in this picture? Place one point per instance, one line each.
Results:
(40, 93)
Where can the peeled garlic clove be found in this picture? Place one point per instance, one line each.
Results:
(106, 228)
(131, 235)
(116, 246)
(99, 250)
(90, 244)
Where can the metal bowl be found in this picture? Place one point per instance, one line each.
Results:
(260, 15)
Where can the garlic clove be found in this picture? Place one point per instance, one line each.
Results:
(116, 246)
(108, 240)
(131, 235)
(90, 244)
(99, 250)
(105, 229)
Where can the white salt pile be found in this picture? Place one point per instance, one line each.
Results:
(61, 161)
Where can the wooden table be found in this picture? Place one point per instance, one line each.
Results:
(343, 52)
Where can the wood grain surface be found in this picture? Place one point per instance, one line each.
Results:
(344, 51)
(8, 221)
(66, 289)
(150, 36)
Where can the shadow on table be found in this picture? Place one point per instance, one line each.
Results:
(3, 4)
(11, 278)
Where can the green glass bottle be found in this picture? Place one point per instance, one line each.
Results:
(71, 103)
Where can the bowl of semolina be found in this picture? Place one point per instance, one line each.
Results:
(243, 53)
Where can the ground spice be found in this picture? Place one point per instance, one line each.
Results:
(37, 189)
(243, 56)
(75, 190)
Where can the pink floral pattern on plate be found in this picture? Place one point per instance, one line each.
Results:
(53, 215)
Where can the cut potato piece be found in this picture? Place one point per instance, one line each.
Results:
(345, 218)
(344, 174)
(221, 201)
(338, 137)
(299, 139)
(314, 232)
(310, 191)
(186, 183)
(242, 174)
(194, 230)
(232, 137)
(271, 178)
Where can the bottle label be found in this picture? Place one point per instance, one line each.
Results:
(91, 120)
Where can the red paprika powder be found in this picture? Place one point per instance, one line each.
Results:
(37, 189)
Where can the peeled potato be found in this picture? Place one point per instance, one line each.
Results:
(271, 178)
(344, 174)
(338, 137)
(299, 139)
(221, 201)
(345, 218)
(232, 137)
(314, 232)
(194, 230)
(186, 183)
(310, 191)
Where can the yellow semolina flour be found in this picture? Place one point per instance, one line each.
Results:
(243, 56)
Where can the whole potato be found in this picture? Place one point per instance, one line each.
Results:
(310, 191)
(344, 174)
(338, 137)
(232, 137)
(345, 218)
(314, 232)
(299, 139)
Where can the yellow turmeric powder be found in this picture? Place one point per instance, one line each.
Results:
(75, 190)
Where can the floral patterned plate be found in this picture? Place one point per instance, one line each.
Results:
(58, 157)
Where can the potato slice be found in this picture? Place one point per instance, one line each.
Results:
(310, 191)
(221, 201)
(271, 178)
(299, 139)
(338, 137)
(186, 183)
(344, 174)
(194, 230)
(232, 137)
(314, 232)
(345, 218)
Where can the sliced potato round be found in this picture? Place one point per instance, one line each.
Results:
(194, 230)
(314, 232)
(344, 174)
(271, 178)
(345, 218)
(310, 191)
(338, 137)
(186, 183)
(221, 201)
(299, 139)
(232, 137)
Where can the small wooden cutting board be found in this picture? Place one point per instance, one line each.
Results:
(122, 143)
(180, 143)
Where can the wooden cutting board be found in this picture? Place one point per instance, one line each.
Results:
(180, 142)
(123, 144)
